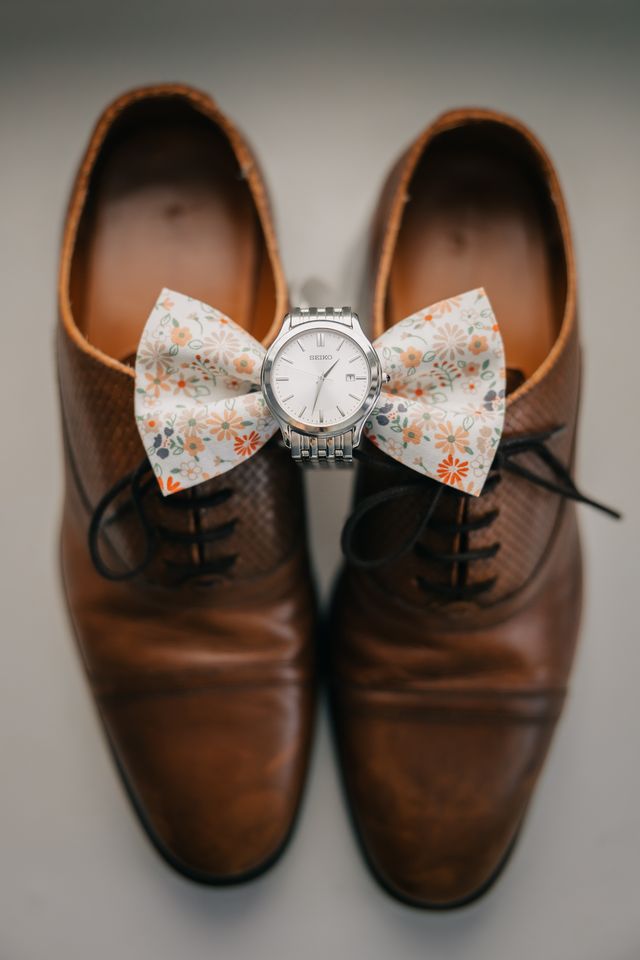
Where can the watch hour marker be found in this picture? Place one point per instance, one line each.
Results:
(320, 416)
(303, 410)
(284, 399)
(340, 410)
(357, 357)
(340, 345)
(319, 339)
(354, 396)
(300, 345)
(361, 378)
(287, 359)
(281, 379)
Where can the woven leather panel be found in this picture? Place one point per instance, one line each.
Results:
(99, 421)
(527, 513)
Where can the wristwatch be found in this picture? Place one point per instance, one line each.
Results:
(321, 378)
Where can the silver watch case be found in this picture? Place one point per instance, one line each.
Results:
(357, 420)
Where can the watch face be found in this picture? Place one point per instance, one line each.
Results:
(321, 377)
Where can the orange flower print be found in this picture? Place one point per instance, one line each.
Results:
(450, 438)
(190, 470)
(152, 354)
(193, 445)
(181, 336)
(452, 471)
(183, 383)
(247, 444)
(221, 346)
(149, 424)
(396, 388)
(484, 439)
(172, 485)
(412, 433)
(449, 341)
(225, 427)
(244, 363)
(158, 382)
(444, 306)
(478, 344)
(192, 420)
(411, 357)
(167, 303)
(471, 369)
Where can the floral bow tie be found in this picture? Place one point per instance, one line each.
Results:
(200, 411)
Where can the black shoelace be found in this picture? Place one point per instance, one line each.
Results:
(509, 449)
(141, 484)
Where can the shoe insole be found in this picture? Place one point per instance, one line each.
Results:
(169, 208)
(475, 218)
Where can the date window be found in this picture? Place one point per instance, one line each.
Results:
(350, 377)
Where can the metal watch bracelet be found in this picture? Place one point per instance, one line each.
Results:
(322, 451)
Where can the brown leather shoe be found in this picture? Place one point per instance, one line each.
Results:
(201, 663)
(450, 662)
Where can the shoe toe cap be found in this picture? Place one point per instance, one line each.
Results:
(216, 775)
(438, 795)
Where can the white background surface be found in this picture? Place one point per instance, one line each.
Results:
(328, 95)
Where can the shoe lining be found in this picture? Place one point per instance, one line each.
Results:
(167, 207)
(479, 214)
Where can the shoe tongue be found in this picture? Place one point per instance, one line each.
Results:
(515, 378)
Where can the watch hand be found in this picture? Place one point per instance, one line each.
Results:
(322, 379)
(320, 382)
